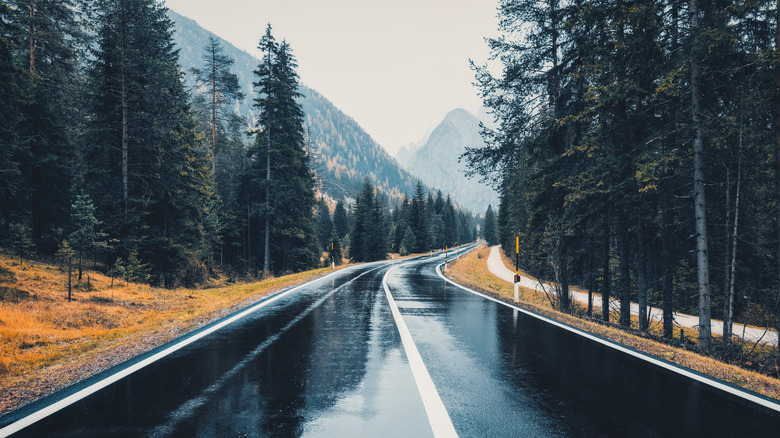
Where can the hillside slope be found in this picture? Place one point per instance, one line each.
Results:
(344, 154)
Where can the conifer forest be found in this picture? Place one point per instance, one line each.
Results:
(106, 154)
(637, 153)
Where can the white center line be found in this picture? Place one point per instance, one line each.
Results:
(437, 414)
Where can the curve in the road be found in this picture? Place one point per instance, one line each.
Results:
(718, 384)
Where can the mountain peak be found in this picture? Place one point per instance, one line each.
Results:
(460, 115)
(436, 163)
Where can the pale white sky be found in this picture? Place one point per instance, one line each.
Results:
(396, 66)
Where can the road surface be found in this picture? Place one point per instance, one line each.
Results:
(751, 334)
(393, 349)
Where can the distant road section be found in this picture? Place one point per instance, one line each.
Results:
(497, 267)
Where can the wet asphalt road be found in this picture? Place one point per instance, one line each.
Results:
(327, 360)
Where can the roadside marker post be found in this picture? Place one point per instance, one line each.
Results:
(332, 262)
(446, 260)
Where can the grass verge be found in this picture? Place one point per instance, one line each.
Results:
(48, 342)
(471, 271)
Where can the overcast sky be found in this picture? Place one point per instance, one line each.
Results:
(395, 66)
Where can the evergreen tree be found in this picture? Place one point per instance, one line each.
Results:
(324, 225)
(12, 99)
(278, 184)
(85, 235)
(418, 220)
(361, 217)
(50, 43)
(377, 232)
(370, 228)
(451, 224)
(146, 168)
(220, 87)
(407, 242)
(340, 220)
(490, 232)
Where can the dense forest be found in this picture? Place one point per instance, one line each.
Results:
(636, 152)
(106, 153)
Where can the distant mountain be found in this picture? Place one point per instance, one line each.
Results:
(344, 153)
(436, 163)
(405, 153)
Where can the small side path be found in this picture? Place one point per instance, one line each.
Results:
(496, 267)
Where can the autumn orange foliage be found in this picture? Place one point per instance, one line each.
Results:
(48, 342)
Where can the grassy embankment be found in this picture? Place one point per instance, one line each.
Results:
(47, 343)
(471, 271)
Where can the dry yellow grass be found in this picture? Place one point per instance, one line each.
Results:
(471, 271)
(46, 340)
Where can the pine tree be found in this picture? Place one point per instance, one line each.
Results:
(51, 116)
(86, 234)
(361, 217)
(324, 225)
(12, 100)
(377, 232)
(147, 168)
(340, 220)
(279, 184)
(418, 220)
(490, 232)
(407, 242)
(220, 86)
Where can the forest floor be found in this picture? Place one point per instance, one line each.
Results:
(48, 343)
(472, 271)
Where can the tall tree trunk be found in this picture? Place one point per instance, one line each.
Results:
(125, 139)
(700, 203)
(625, 273)
(605, 292)
(35, 171)
(32, 37)
(213, 113)
(267, 244)
(562, 274)
(590, 279)
(777, 153)
(667, 214)
(667, 285)
(641, 275)
(729, 314)
(70, 278)
(727, 245)
(248, 238)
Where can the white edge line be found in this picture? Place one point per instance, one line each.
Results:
(438, 417)
(715, 383)
(97, 386)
